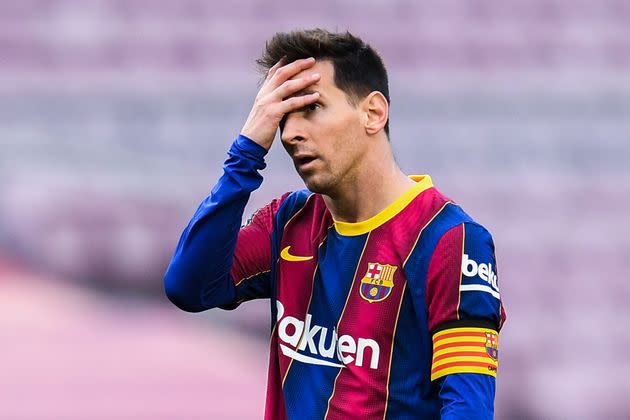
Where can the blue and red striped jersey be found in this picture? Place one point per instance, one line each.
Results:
(393, 317)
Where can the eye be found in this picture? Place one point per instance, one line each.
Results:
(311, 107)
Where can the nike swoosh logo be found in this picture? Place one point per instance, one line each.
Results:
(285, 255)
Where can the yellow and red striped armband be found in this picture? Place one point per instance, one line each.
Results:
(465, 350)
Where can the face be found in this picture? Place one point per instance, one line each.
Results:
(326, 139)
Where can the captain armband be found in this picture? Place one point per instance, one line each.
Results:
(465, 350)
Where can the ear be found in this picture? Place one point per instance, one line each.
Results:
(376, 111)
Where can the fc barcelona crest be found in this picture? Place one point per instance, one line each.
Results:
(492, 345)
(378, 282)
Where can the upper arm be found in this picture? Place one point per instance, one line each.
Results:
(465, 314)
(251, 266)
(462, 279)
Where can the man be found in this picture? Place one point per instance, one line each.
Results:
(383, 292)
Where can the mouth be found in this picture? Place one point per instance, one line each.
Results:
(304, 162)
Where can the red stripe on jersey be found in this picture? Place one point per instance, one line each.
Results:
(362, 392)
(304, 239)
(444, 276)
(253, 247)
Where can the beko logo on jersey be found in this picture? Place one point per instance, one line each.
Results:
(470, 268)
(324, 350)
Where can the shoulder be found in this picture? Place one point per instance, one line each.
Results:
(297, 198)
(293, 202)
(450, 215)
(280, 210)
(302, 203)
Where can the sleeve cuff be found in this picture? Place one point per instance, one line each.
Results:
(250, 147)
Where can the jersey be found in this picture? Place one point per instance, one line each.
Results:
(393, 317)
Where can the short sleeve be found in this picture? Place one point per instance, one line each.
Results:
(465, 312)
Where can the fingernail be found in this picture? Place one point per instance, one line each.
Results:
(315, 76)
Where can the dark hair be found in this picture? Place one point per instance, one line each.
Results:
(359, 70)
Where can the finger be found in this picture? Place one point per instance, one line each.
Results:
(275, 67)
(292, 86)
(286, 72)
(297, 102)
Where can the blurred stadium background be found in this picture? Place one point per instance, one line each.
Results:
(115, 118)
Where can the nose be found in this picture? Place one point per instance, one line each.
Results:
(291, 129)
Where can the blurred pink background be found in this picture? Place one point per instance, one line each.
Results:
(115, 118)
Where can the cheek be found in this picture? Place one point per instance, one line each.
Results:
(345, 152)
(338, 131)
(344, 126)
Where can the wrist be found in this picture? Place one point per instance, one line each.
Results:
(257, 138)
(246, 143)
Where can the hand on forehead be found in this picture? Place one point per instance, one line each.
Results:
(321, 67)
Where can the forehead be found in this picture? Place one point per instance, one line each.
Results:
(320, 66)
(327, 71)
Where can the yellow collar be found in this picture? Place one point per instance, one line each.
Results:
(423, 182)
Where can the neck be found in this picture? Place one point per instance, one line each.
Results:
(372, 186)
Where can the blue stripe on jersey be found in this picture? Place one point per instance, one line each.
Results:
(479, 268)
(338, 258)
(411, 333)
(291, 205)
(408, 368)
(418, 263)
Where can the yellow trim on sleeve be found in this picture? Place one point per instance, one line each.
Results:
(423, 182)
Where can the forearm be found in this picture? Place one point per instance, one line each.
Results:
(198, 276)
